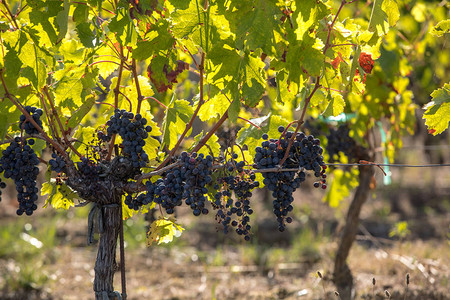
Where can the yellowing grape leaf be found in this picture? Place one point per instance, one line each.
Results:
(163, 230)
(341, 185)
(390, 7)
(335, 106)
(437, 112)
(59, 196)
(441, 28)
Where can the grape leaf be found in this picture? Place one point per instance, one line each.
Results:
(202, 27)
(284, 94)
(163, 230)
(59, 196)
(378, 18)
(242, 74)
(158, 39)
(256, 24)
(335, 106)
(341, 185)
(215, 106)
(308, 13)
(441, 28)
(80, 113)
(212, 146)
(390, 7)
(178, 114)
(85, 34)
(62, 20)
(437, 112)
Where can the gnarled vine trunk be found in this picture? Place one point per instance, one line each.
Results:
(342, 275)
(105, 265)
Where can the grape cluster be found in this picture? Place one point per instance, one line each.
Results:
(235, 212)
(141, 199)
(57, 163)
(36, 114)
(186, 182)
(133, 131)
(196, 171)
(305, 153)
(339, 140)
(168, 192)
(88, 169)
(19, 162)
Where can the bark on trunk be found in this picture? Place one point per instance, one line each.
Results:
(105, 265)
(342, 275)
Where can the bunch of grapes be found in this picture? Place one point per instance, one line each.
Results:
(186, 182)
(57, 163)
(242, 183)
(196, 171)
(19, 162)
(168, 192)
(36, 114)
(88, 169)
(339, 140)
(133, 131)
(305, 153)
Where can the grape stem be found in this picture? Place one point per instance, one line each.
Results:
(136, 82)
(157, 101)
(50, 123)
(211, 132)
(191, 121)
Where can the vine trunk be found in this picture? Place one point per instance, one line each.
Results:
(105, 265)
(342, 275)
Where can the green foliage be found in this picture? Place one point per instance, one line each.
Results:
(437, 112)
(163, 230)
(400, 230)
(269, 62)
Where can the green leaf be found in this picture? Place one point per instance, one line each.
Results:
(303, 57)
(233, 110)
(158, 39)
(80, 113)
(441, 28)
(212, 146)
(69, 85)
(308, 13)
(390, 7)
(204, 28)
(284, 94)
(256, 24)
(178, 114)
(240, 73)
(62, 20)
(81, 13)
(215, 106)
(341, 185)
(378, 18)
(437, 112)
(59, 196)
(85, 135)
(335, 106)
(33, 67)
(85, 34)
(163, 230)
(4, 124)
